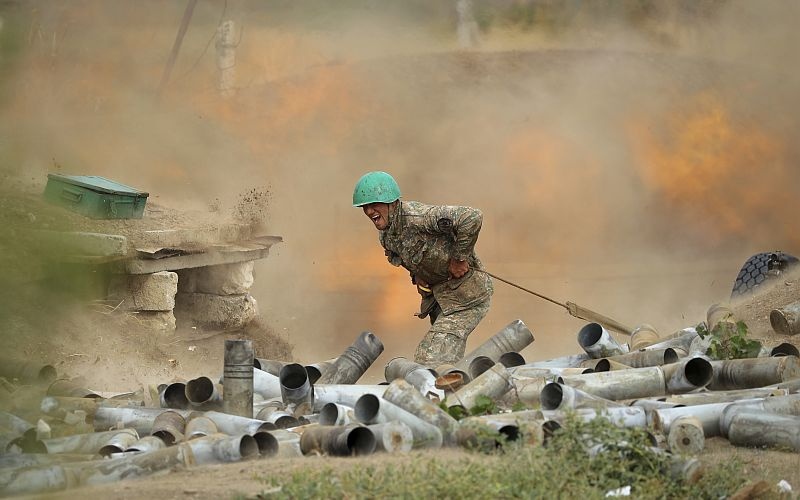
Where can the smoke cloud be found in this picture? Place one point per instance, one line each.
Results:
(625, 159)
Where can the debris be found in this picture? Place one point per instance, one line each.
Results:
(786, 320)
(43, 430)
(625, 491)
(751, 491)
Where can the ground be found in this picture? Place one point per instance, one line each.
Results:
(247, 478)
(754, 310)
(136, 362)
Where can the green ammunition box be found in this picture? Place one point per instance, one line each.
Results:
(95, 197)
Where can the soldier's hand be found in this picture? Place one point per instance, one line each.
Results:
(422, 287)
(458, 268)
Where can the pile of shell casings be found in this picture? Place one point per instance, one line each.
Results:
(671, 387)
(56, 434)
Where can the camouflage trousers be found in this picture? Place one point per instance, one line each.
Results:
(446, 340)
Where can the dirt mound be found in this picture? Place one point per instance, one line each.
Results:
(114, 351)
(754, 309)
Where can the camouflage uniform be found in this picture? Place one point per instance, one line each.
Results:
(423, 238)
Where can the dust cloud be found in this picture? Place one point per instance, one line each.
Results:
(627, 157)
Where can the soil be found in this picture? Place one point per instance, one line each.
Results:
(754, 310)
(115, 352)
(248, 478)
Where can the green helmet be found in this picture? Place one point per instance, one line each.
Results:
(375, 187)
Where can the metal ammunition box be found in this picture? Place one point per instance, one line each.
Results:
(95, 197)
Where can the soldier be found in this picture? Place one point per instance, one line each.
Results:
(435, 244)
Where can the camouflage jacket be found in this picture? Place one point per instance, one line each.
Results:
(423, 238)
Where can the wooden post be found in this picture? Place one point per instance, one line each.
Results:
(226, 59)
(176, 46)
(467, 26)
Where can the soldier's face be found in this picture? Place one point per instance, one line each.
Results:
(378, 213)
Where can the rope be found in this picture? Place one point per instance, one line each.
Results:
(524, 289)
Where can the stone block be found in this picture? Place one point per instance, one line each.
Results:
(224, 279)
(77, 243)
(215, 312)
(144, 292)
(156, 320)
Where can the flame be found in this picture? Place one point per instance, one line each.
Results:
(709, 166)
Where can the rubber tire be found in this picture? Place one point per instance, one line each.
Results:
(757, 269)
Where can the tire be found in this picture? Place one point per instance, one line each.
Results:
(760, 268)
